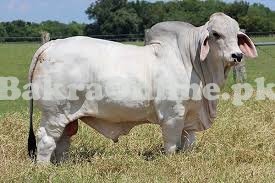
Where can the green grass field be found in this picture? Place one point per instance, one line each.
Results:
(240, 147)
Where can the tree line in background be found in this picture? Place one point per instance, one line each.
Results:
(29, 31)
(133, 17)
(123, 17)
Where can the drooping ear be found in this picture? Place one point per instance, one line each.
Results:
(204, 45)
(247, 46)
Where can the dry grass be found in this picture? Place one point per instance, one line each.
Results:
(239, 148)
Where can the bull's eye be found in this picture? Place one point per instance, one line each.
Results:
(216, 35)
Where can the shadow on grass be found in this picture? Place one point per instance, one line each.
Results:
(158, 151)
(84, 154)
(152, 154)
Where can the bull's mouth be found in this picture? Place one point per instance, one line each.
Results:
(237, 61)
(231, 63)
(228, 65)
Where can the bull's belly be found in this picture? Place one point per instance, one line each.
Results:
(119, 111)
(115, 118)
(109, 129)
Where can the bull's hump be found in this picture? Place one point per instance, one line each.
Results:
(172, 26)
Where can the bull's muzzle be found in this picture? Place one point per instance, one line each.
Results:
(237, 57)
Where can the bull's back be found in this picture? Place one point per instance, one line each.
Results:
(92, 55)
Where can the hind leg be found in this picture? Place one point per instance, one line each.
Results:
(63, 144)
(45, 145)
(48, 135)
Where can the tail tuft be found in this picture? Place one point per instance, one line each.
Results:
(31, 140)
(32, 145)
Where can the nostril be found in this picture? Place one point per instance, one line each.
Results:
(240, 56)
(237, 56)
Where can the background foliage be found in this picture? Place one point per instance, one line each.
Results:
(123, 17)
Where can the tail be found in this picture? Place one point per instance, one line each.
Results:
(31, 139)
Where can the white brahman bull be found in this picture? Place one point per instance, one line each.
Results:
(177, 54)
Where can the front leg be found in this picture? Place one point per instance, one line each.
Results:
(187, 139)
(171, 131)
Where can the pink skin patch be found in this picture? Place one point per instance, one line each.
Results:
(71, 128)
